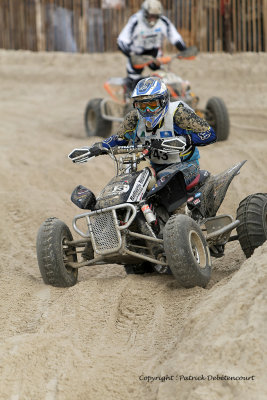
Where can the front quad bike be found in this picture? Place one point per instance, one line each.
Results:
(102, 112)
(164, 227)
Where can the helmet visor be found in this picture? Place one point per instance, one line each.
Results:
(148, 107)
(152, 16)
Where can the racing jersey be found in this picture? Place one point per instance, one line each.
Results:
(138, 38)
(180, 120)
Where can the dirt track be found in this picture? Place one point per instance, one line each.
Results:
(100, 338)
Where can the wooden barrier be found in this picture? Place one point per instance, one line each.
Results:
(93, 26)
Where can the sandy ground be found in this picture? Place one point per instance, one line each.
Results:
(102, 338)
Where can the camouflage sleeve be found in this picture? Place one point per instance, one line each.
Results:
(128, 126)
(125, 133)
(187, 122)
(187, 119)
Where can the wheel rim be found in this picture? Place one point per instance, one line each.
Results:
(197, 249)
(91, 120)
(68, 256)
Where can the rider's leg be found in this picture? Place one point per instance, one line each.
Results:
(190, 170)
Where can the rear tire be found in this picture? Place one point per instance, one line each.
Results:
(95, 125)
(53, 254)
(252, 230)
(187, 251)
(216, 115)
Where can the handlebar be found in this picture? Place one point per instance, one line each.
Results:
(83, 154)
(168, 145)
(130, 149)
(144, 61)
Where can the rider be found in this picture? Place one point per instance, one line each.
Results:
(143, 35)
(155, 118)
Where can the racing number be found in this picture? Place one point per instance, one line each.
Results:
(159, 155)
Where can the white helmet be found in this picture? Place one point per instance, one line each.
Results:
(152, 10)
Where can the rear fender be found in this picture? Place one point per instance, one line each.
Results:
(216, 187)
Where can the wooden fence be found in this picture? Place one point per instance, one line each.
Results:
(93, 25)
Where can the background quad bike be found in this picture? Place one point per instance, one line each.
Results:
(100, 113)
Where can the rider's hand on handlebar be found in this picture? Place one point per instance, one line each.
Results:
(84, 153)
(95, 151)
(188, 53)
(141, 61)
(154, 65)
(156, 144)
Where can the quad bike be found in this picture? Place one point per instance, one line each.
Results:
(164, 227)
(100, 113)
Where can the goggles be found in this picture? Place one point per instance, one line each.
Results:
(152, 16)
(151, 105)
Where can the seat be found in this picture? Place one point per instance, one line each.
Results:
(198, 181)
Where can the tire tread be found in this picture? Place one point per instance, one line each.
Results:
(252, 228)
(50, 265)
(178, 254)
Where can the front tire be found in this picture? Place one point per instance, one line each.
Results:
(252, 230)
(95, 125)
(216, 115)
(186, 251)
(53, 254)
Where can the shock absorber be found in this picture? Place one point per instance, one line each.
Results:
(148, 214)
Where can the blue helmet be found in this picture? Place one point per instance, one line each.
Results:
(151, 98)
